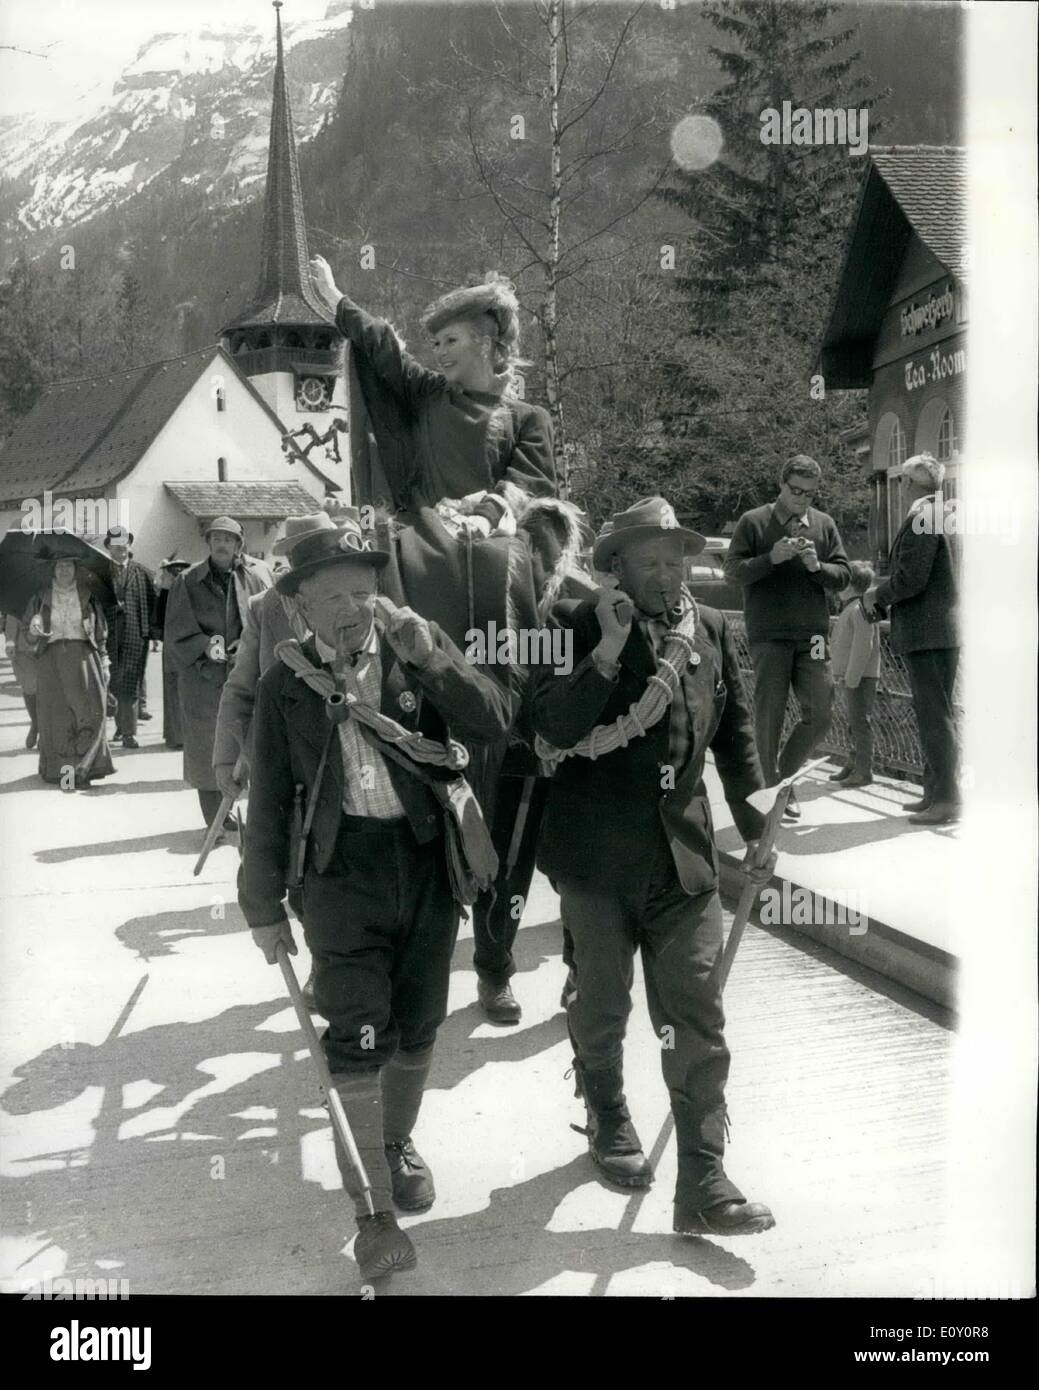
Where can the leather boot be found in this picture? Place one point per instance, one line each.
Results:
(381, 1246)
(403, 1081)
(612, 1140)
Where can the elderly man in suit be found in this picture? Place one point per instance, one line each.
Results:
(380, 915)
(204, 620)
(921, 592)
(628, 842)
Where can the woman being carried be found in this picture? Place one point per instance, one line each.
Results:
(458, 435)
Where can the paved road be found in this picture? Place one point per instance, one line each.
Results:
(160, 1121)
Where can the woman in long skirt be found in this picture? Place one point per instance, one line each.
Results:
(68, 624)
(23, 664)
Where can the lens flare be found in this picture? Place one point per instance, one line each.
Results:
(696, 142)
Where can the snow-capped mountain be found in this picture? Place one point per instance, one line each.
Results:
(195, 104)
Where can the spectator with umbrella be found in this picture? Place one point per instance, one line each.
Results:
(71, 583)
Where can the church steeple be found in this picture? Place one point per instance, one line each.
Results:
(283, 294)
(286, 341)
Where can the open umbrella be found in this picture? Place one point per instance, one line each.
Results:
(26, 564)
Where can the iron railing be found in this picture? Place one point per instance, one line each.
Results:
(896, 743)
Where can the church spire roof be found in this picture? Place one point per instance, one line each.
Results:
(283, 294)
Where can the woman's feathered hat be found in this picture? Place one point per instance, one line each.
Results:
(494, 295)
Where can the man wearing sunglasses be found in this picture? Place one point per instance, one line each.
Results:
(786, 555)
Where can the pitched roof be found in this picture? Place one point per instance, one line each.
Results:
(83, 436)
(248, 501)
(906, 190)
(284, 293)
(929, 183)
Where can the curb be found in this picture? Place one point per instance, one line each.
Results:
(926, 970)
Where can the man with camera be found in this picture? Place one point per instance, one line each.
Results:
(787, 556)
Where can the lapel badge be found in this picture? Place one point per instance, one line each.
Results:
(694, 659)
(407, 702)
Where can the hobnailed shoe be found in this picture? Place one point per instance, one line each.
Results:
(615, 1147)
(724, 1219)
(941, 813)
(858, 779)
(841, 775)
(793, 808)
(381, 1247)
(498, 1002)
(412, 1181)
(129, 741)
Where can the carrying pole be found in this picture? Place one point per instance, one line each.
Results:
(335, 1105)
(759, 859)
(223, 810)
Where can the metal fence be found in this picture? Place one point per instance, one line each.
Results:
(896, 744)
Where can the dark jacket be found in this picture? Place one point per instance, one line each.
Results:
(197, 610)
(785, 603)
(436, 440)
(266, 624)
(605, 817)
(921, 588)
(290, 730)
(131, 623)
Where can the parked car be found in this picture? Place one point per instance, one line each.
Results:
(705, 576)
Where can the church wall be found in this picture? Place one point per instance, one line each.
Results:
(187, 450)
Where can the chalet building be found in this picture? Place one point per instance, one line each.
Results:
(167, 446)
(897, 327)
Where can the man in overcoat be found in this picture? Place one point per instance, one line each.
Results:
(921, 592)
(204, 619)
(130, 628)
(380, 915)
(628, 842)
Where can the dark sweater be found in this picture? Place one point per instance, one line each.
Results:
(460, 441)
(785, 602)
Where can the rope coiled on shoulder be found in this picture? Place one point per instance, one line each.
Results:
(648, 709)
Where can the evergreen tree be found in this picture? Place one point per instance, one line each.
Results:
(757, 272)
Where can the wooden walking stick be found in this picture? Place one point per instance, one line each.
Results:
(759, 859)
(218, 820)
(335, 1106)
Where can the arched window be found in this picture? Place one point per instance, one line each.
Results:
(896, 446)
(948, 444)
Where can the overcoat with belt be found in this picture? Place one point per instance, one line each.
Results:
(198, 610)
(290, 731)
(605, 816)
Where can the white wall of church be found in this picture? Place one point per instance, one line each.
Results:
(187, 450)
(278, 389)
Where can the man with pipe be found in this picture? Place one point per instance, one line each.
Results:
(628, 841)
(379, 877)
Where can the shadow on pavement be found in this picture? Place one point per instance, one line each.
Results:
(160, 935)
(175, 841)
(209, 1200)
